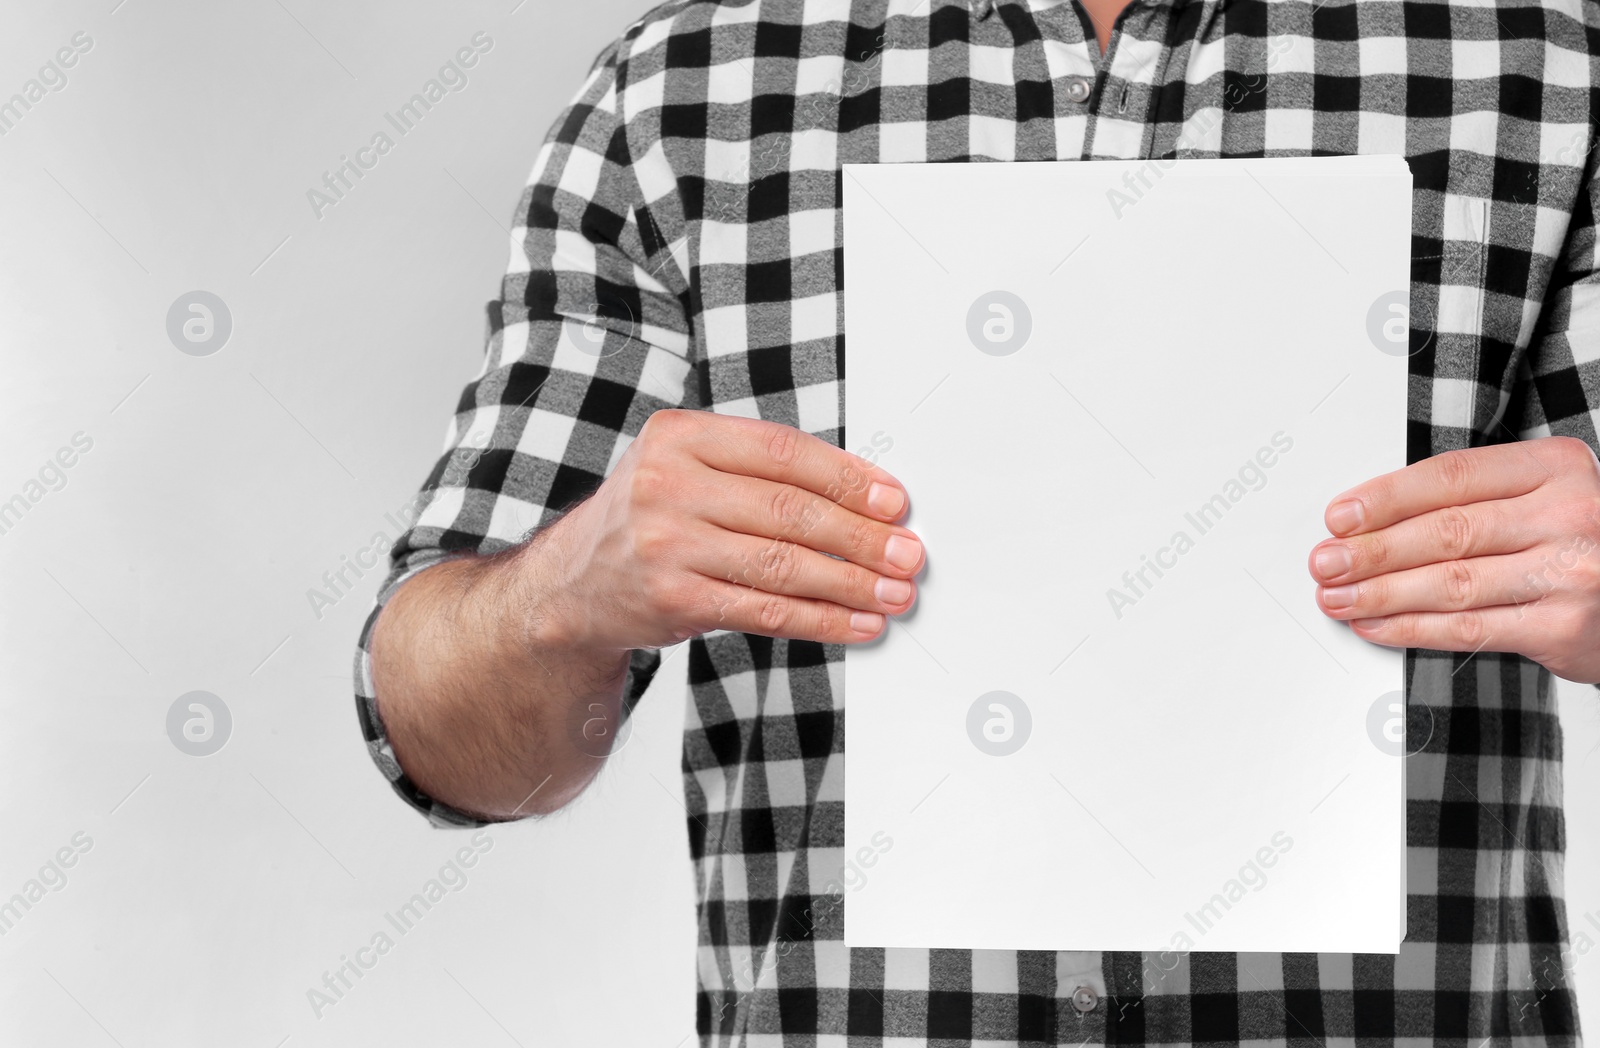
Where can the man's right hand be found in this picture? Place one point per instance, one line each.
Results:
(483, 664)
(717, 522)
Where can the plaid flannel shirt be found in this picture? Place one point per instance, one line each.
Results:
(681, 247)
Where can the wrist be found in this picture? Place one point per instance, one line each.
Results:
(539, 599)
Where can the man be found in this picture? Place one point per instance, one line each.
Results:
(661, 401)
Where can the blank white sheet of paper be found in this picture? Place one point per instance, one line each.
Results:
(1121, 395)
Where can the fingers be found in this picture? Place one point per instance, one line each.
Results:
(1453, 533)
(1450, 586)
(743, 610)
(770, 510)
(1505, 628)
(1455, 478)
(740, 524)
(777, 566)
(1479, 549)
(771, 451)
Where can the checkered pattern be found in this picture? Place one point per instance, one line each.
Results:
(681, 248)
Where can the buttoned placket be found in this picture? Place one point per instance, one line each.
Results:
(1082, 1002)
(1104, 102)
(1133, 65)
(1101, 124)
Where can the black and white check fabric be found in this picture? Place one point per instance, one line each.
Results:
(681, 248)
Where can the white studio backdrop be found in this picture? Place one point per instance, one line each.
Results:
(208, 495)
(215, 494)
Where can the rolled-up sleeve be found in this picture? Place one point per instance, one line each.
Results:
(588, 338)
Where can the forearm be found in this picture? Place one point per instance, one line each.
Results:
(477, 679)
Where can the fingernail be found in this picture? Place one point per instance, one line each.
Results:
(902, 552)
(1333, 561)
(1345, 517)
(892, 591)
(866, 622)
(1339, 596)
(885, 501)
(1368, 624)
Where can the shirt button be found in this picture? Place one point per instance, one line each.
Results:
(1078, 88)
(1084, 999)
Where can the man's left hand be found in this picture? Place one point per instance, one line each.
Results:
(1485, 549)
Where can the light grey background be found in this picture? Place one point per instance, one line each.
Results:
(179, 553)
